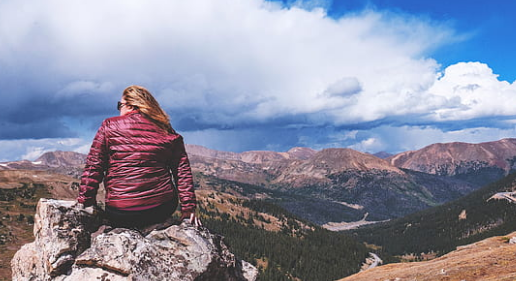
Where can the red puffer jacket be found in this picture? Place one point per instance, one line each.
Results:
(136, 160)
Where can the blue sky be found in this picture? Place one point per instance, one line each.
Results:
(378, 75)
(485, 24)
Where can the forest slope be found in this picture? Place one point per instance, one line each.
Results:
(441, 229)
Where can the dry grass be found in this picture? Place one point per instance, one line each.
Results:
(15, 230)
(488, 260)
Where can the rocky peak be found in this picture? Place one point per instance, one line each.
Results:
(316, 169)
(345, 158)
(447, 158)
(382, 154)
(61, 159)
(70, 245)
(197, 150)
(301, 153)
(252, 157)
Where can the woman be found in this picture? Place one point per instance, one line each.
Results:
(143, 164)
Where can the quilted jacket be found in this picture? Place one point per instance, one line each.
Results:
(140, 164)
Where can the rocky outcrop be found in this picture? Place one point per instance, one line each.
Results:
(71, 244)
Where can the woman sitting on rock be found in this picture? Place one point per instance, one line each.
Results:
(143, 164)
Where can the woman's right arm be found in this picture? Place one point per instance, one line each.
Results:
(183, 178)
(94, 170)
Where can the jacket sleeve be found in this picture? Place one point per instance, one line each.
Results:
(96, 164)
(183, 178)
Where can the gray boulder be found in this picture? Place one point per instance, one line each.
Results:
(71, 244)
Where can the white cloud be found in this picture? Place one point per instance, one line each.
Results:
(473, 91)
(405, 138)
(84, 149)
(229, 54)
(225, 64)
(33, 152)
(371, 145)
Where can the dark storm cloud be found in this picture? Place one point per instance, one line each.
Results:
(43, 128)
(38, 111)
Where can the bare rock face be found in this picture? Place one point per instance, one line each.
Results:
(69, 245)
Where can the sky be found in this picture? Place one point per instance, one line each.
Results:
(239, 75)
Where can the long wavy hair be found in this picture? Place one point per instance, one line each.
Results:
(142, 99)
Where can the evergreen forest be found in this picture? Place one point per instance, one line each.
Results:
(441, 229)
(298, 251)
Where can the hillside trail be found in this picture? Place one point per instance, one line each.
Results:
(487, 260)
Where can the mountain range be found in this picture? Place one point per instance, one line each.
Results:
(339, 184)
(422, 196)
(336, 185)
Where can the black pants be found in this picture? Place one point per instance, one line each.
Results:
(128, 219)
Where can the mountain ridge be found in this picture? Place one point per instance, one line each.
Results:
(384, 188)
(446, 158)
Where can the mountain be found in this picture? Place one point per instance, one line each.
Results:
(383, 154)
(250, 156)
(316, 169)
(483, 162)
(331, 185)
(59, 162)
(61, 159)
(253, 167)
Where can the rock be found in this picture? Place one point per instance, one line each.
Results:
(61, 232)
(70, 245)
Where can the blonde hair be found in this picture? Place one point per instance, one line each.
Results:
(143, 100)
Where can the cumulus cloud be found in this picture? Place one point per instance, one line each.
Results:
(473, 91)
(216, 56)
(235, 74)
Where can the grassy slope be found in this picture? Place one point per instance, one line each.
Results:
(17, 208)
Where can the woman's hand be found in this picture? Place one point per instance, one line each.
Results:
(192, 219)
(91, 209)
